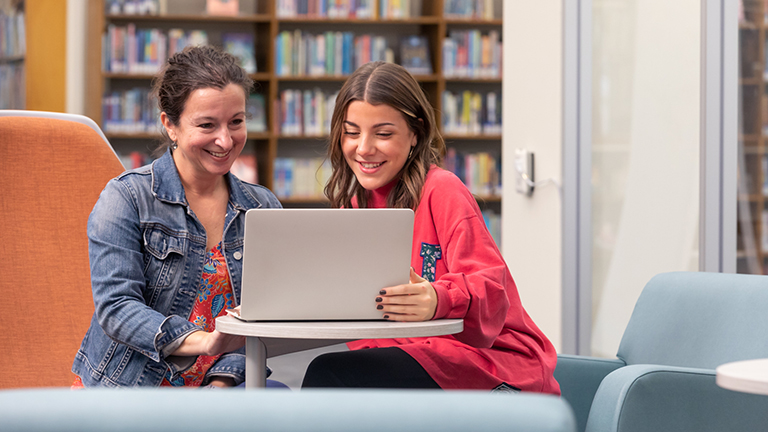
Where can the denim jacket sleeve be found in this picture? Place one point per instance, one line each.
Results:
(231, 365)
(118, 281)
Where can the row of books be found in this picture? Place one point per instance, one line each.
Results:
(256, 120)
(299, 53)
(12, 34)
(130, 111)
(298, 112)
(345, 9)
(471, 54)
(133, 7)
(136, 111)
(12, 86)
(305, 112)
(302, 178)
(474, 9)
(399, 9)
(471, 113)
(127, 49)
(481, 171)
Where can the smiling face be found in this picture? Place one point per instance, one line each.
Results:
(376, 141)
(210, 134)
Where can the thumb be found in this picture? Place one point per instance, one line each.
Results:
(415, 278)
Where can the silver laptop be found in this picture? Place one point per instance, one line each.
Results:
(322, 264)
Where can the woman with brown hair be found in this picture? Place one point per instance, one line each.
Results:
(386, 150)
(166, 240)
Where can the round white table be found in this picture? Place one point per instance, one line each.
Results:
(748, 376)
(275, 338)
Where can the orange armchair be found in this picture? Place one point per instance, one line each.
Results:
(53, 167)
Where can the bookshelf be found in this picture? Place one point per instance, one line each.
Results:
(753, 136)
(12, 54)
(298, 85)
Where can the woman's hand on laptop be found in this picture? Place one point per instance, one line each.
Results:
(414, 301)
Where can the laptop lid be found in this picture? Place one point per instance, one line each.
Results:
(322, 264)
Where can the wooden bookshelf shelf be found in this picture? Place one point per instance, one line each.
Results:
(182, 18)
(473, 22)
(488, 198)
(453, 79)
(472, 137)
(427, 20)
(12, 59)
(305, 200)
(751, 81)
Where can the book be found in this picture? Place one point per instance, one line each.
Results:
(222, 7)
(245, 168)
(256, 113)
(414, 55)
(241, 45)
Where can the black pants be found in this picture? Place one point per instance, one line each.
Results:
(370, 368)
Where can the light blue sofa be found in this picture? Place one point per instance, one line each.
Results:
(280, 410)
(684, 325)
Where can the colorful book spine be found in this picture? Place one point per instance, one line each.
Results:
(331, 53)
(471, 54)
(143, 51)
(472, 9)
(302, 178)
(338, 9)
(471, 113)
(480, 172)
(130, 111)
(305, 112)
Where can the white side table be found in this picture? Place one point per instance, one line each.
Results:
(276, 338)
(748, 376)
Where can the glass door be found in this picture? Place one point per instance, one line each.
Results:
(645, 153)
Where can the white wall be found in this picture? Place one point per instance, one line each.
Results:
(532, 119)
(77, 22)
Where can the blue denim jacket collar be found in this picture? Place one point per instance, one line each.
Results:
(166, 185)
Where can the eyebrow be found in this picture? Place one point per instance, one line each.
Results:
(376, 125)
(209, 118)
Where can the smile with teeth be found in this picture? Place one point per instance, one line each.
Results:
(218, 154)
(371, 165)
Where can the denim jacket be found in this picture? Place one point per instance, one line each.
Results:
(147, 250)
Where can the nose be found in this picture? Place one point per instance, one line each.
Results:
(224, 139)
(366, 146)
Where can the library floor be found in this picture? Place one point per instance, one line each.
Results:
(289, 369)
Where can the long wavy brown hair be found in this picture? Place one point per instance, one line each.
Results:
(385, 83)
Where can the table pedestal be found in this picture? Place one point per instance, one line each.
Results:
(270, 339)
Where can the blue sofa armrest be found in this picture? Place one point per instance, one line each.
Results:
(579, 377)
(284, 410)
(663, 398)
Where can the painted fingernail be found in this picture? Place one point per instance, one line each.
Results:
(378, 299)
(383, 292)
(386, 316)
(380, 307)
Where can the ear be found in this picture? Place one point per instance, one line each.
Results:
(168, 126)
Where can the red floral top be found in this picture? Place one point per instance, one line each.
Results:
(214, 297)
